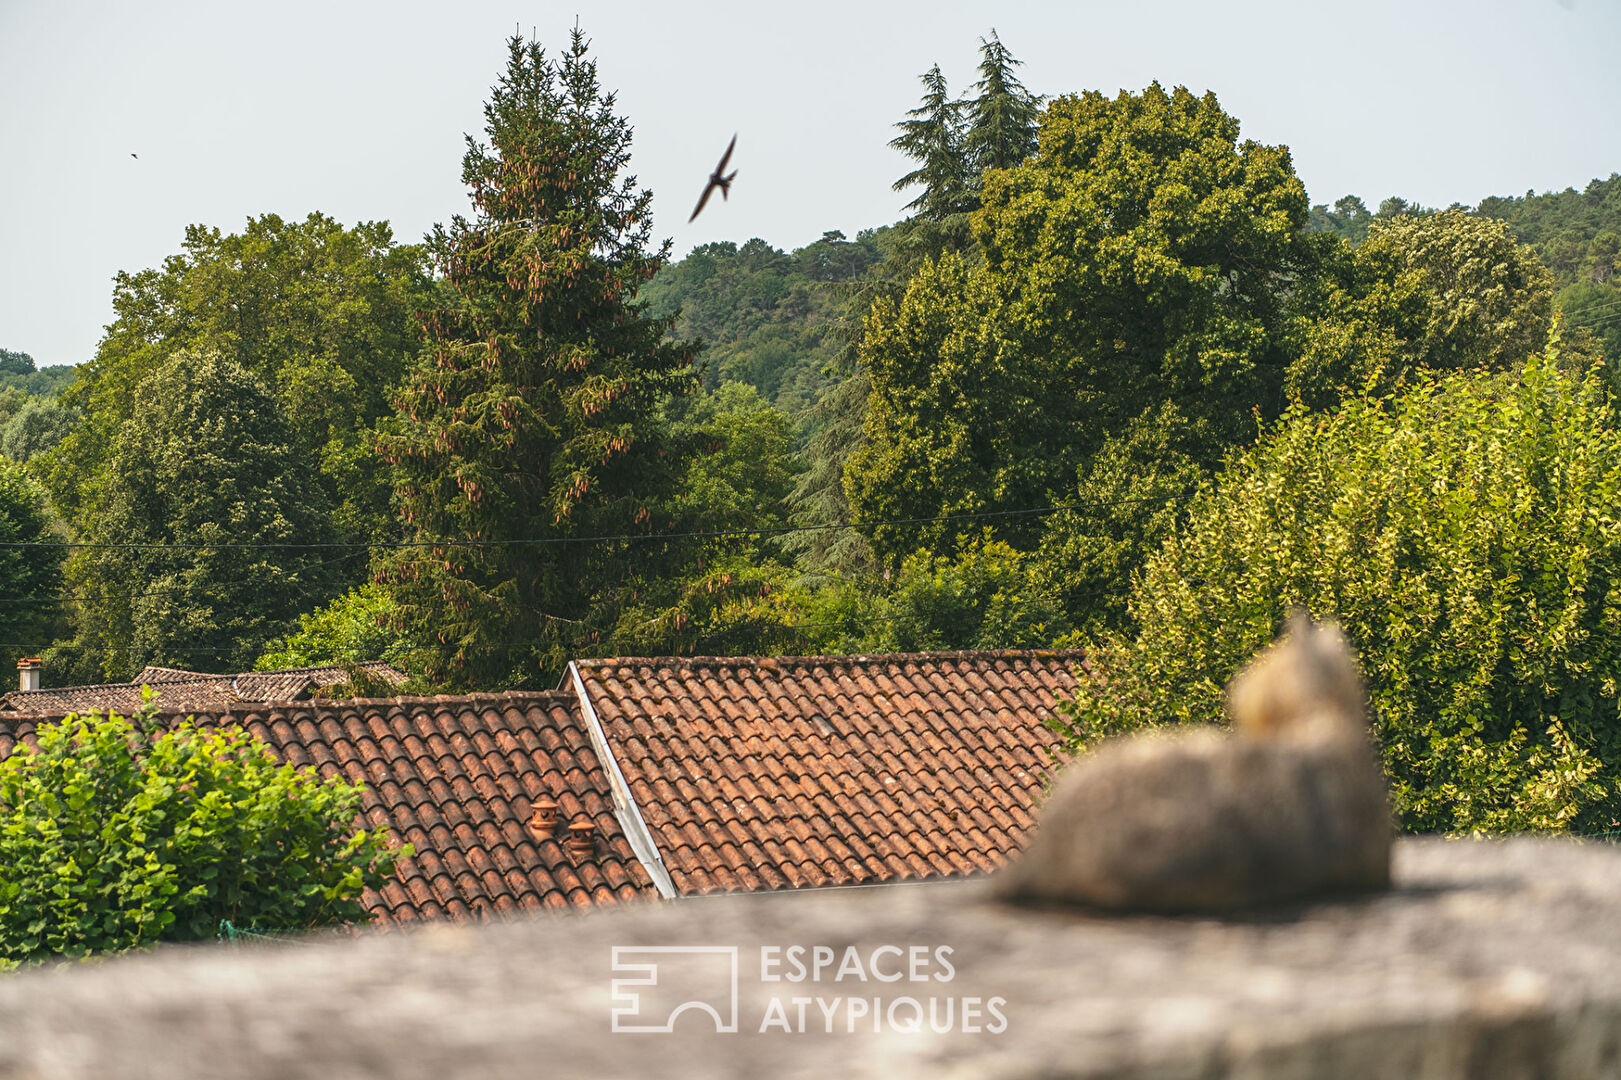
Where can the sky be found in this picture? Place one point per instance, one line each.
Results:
(359, 109)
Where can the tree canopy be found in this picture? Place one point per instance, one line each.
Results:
(30, 576)
(319, 313)
(1464, 533)
(1000, 121)
(1138, 270)
(207, 481)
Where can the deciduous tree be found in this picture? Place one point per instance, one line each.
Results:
(319, 313)
(1140, 270)
(1464, 534)
(206, 458)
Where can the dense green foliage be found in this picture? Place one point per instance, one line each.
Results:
(1136, 272)
(1466, 535)
(17, 372)
(319, 313)
(761, 316)
(932, 136)
(1015, 391)
(1577, 235)
(114, 838)
(23, 389)
(1000, 120)
(1350, 219)
(28, 575)
(534, 414)
(1437, 290)
(988, 597)
(207, 457)
(953, 143)
(352, 629)
(36, 426)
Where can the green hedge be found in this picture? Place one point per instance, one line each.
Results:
(112, 839)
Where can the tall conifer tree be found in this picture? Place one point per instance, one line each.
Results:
(931, 135)
(1001, 121)
(532, 420)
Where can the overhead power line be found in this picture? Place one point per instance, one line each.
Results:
(619, 538)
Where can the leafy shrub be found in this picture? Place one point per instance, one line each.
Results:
(112, 839)
(1467, 533)
(350, 630)
(987, 596)
(37, 426)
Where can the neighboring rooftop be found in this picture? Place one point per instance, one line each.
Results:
(832, 770)
(178, 689)
(697, 776)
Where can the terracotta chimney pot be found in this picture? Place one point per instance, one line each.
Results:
(544, 817)
(580, 839)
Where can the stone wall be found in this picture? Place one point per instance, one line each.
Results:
(1489, 959)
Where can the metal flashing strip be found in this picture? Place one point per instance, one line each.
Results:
(625, 808)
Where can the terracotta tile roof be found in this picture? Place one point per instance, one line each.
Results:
(456, 777)
(179, 689)
(815, 771)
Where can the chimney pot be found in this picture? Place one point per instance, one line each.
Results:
(580, 841)
(29, 669)
(544, 818)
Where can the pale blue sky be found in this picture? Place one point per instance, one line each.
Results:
(358, 109)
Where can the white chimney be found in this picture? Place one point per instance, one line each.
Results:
(28, 672)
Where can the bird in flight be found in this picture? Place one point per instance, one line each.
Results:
(717, 179)
(137, 157)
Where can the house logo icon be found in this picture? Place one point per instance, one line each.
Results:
(658, 984)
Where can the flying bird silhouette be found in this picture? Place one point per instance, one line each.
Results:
(137, 157)
(717, 179)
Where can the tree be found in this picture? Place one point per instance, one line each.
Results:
(15, 363)
(1464, 534)
(533, 416)
(30, 577)
(1577, 235)
(761, 316)
(1001, 122)
(114, 839)
(745, 470)
(12, 400)
(1439, 290)
(725, 593)
(352, 629)
(1143, 268)
(818, 501)
(1349, 220)
(932, 136)
(38, 426)
(989, 596)
(206, 458)
(319, 313)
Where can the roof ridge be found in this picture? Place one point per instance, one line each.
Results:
(251, 706)
(845, 659)
(319, 667)
(199, 677)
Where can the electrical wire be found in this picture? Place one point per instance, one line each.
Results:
(618, 538)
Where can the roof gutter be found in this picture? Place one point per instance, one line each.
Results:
(626, 811)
